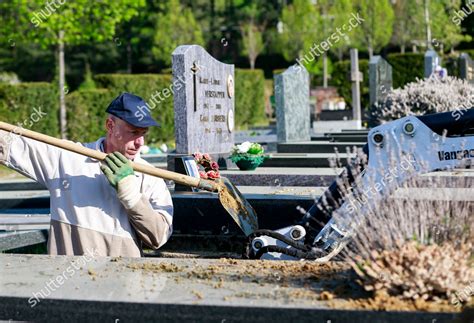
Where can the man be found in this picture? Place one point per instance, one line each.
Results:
(101, 206)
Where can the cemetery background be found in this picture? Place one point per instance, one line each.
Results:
(267, 104)
(133, 49)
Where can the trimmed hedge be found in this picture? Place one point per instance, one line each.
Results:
(26, 104)
(145, 85)
(411, 66)
(340, 79)
(406, 68)
(86, 114)
(86, 108)
(249, 97)
(452, 62)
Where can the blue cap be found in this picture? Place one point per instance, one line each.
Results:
(133, 110)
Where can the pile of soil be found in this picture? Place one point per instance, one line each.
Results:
(331, 283)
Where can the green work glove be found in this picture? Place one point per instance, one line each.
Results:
(117, 168)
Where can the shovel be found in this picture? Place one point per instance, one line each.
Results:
(230, 197)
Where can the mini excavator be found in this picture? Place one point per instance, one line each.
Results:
(395, 152)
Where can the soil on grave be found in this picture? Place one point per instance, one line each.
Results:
(333, 284)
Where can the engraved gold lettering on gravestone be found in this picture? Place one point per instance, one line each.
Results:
(214, 94)
(230, 86)
(197, 130)
(219, 118)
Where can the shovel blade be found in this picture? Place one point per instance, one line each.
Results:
(237, 206)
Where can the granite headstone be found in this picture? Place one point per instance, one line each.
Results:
(292, 105)
(466, 66)
(432, 60)
(380, 78)
(204, 104)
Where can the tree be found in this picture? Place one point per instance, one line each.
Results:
(341, 13)
(427, 23)
(311, 30)
(332, 14)
(444, 32)
(252, 34)
(252, 42)
(210, 16)
(256, 20)
(299, 31)
(175, 26)
(409, 24)
(136, 37)
(376, 31)
(68, 23)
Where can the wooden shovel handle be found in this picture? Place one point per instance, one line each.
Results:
(79, 149)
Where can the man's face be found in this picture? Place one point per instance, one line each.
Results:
(124, 138)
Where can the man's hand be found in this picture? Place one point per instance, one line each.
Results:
(117, 168)
(119, 172)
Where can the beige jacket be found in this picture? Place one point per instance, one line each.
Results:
(85, 210)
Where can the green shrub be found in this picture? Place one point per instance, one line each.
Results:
(86, 114)
(249, 97)
(340, 78)
(145, 85)
(25, 104)
(86, 108)
(406, 68)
